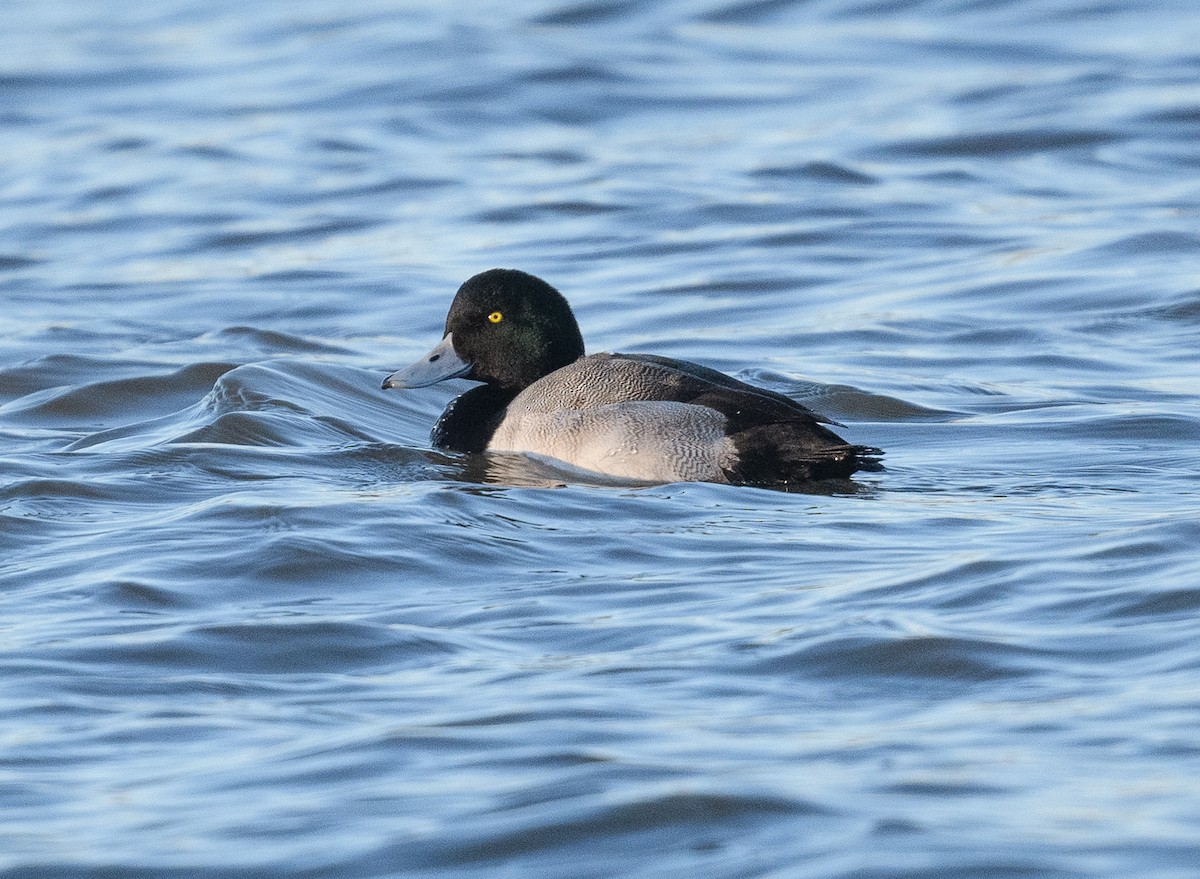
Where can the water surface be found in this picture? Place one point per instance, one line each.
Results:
(254, 625)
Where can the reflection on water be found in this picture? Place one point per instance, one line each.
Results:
(253, 624)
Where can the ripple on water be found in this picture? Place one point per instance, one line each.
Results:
(663, 817)
(87, 404)
(269, 647)
(922, 659)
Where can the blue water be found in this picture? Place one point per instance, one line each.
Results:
(251, 624)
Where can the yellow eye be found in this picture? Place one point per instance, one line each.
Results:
(495, 317)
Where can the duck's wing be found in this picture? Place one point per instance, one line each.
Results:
(778, 441)
(628, 400)
(736, 400)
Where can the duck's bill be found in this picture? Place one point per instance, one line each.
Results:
(438, 365)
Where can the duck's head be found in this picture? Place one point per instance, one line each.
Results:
(505, 328)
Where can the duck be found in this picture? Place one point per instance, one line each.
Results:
(642, 418)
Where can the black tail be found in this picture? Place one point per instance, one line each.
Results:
(790, 452)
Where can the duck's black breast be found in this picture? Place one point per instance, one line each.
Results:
(467, 424)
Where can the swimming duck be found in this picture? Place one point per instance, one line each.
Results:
(639, 417)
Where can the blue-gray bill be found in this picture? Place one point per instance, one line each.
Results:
(438, 365)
